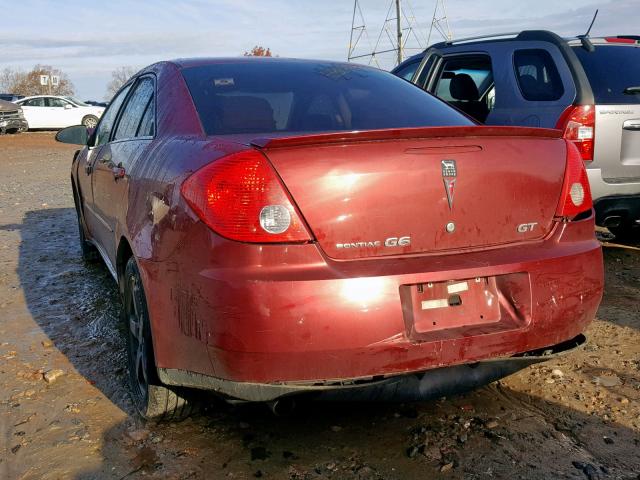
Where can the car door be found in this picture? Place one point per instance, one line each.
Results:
(132, 134)
(531, 85)
(60, 113)
(34, 111)
(94, 219)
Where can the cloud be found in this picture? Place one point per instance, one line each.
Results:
(89, 39)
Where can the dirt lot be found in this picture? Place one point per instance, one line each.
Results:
(575, 418)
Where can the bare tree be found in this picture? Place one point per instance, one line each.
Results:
(8, 79)
(258, 51)
(118, 78)
(28, 83)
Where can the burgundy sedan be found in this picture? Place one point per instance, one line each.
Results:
(284, 227)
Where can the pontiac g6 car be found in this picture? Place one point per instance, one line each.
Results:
(284, 227)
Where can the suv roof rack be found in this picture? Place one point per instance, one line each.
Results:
(495, 36)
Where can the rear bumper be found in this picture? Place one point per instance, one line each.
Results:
(617, 210)
(420, 386)
(286, 313)
(601, 189)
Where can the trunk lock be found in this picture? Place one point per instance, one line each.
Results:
(450, 227)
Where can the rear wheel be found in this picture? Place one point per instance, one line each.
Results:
(152, 400)
(90, 121)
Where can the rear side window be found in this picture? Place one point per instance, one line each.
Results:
(56, 102)
(265, 96)
(611, 69)
(537, 75)
(147, 126)
(134, 109)
(108, 119)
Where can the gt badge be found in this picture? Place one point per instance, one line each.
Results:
(526, 227)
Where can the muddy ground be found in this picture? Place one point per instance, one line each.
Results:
(576, 418)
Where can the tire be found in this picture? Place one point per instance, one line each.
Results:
(88, 251)
(152, 399)
(626, 233)
(90, 121)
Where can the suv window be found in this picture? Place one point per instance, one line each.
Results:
(611, 69)
(537, 75)
(134, 109)
(423, 76)
(103, 131)
(466, 82)
(408, 70)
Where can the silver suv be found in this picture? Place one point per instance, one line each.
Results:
(588, 87)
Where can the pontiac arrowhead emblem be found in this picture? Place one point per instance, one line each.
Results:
(449, 174)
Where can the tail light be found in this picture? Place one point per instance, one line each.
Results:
(578, 122)
(576, 194)
(241, 198)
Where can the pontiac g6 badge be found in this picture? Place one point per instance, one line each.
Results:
(389, 242)
(449, 174)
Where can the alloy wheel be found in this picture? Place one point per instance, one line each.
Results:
(138, 342)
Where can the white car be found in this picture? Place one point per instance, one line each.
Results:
(49, 111)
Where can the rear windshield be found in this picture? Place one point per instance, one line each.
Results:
(611, 69)
(266, 96)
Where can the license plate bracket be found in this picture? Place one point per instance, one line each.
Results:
(458, 308)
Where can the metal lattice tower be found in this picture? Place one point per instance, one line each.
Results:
(399, 33)
(440, 22)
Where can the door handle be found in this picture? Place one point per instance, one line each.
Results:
(118, 172)
(631, 125)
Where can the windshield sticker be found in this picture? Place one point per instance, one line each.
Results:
(223, 82)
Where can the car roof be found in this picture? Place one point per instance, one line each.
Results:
(545, 35)
(40, 96)
(201, 61)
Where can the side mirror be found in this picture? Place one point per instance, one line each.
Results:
(68, 106)
(75, 135)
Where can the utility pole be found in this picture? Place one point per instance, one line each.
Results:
(399, 31)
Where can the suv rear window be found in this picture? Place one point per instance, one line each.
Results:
(611, 69)
(537, 75)
(266, 96)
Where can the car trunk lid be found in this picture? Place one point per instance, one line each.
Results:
(413, 191)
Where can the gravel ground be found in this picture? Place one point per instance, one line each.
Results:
(65, 413)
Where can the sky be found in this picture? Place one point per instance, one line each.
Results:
(88, 40)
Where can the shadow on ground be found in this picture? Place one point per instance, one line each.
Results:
(496, 432)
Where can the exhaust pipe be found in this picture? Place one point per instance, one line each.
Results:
(282, 407)
(612, 221)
